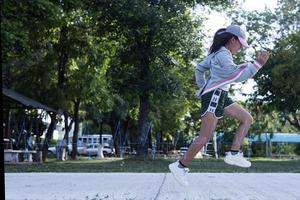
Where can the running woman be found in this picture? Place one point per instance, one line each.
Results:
(214, 96)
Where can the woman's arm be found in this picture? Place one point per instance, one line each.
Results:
(199, 73)
(229, 71)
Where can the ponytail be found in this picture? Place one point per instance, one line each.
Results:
(220, 39)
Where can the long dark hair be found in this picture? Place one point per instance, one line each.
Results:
(220, 39)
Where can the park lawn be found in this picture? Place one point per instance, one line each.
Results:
(138, 165)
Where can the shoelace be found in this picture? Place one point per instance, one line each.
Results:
(242, 156)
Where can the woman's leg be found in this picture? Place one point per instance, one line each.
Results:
(208, 125)
(237, 112)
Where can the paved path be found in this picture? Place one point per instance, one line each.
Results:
(152, 186)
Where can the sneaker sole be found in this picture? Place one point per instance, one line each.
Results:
(231, 163)
(177, 179)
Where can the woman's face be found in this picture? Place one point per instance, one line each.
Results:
(234, 45)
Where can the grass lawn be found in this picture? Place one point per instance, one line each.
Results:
(259, 165)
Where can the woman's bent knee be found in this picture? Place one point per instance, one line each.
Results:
(247, 119)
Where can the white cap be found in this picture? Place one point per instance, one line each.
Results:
(239, 32)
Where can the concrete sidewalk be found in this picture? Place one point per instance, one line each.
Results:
(152, 186)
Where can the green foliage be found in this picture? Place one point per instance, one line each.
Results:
(286, 149)
(53, 142)
(278, 81)
(288, 16)
(159, 42)
(107, 55)
(277, 95)
(28, 30)
(278, 150)
(297, 149)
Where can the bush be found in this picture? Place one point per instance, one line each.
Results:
(259, 149)
(286, 149)
(53, 142)
(297, 149)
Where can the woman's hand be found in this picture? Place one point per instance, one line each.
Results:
(262, 57)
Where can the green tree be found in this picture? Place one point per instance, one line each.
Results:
(130, 58)
(54, 54)
(158, 35)
(277, 82)
(89, 55)
(29, 28)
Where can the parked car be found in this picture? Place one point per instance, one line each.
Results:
(92, 150)
(80, 149)
(52, 150)
(108, 150)
(130, 151)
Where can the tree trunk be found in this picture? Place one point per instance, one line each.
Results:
(115, 126)
(150, 138)
(67, 128)
(101, 132)
(143, 122)
(100, 152)
(63, 57)
(126, 130)
(76, 129)
(39, 133)
(49, 134)
(7, 123)
(66, 135)
(62, 147)
(143, 126)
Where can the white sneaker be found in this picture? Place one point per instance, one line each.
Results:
(237, 159)
(179, 173)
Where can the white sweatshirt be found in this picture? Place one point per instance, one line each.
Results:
(223, 71)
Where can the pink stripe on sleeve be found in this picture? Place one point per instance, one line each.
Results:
(257, 65)
(235, 75)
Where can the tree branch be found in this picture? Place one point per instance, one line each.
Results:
(294, 121)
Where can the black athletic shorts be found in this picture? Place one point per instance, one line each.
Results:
(215, 102)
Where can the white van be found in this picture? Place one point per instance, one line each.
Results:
(95, 139)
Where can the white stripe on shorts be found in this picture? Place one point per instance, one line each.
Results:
(215, 99)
